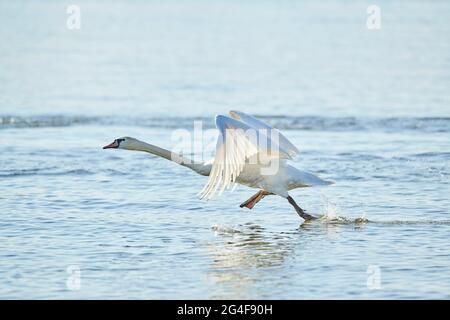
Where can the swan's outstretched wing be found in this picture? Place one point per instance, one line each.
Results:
(251, 121)
(237, 142)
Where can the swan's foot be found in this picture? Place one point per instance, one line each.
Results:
(250, 203)
(299, 210)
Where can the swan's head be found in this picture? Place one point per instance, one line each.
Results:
(126, 143)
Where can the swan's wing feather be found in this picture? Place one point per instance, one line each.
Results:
(237, 142)
(232, 149)
(257, 124)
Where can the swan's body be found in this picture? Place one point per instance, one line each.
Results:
(248, 152)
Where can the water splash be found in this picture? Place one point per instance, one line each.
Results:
(330, 211)
(331, 214)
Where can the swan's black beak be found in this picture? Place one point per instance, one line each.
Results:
(113, 145)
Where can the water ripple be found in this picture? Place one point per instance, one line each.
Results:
(307, 123)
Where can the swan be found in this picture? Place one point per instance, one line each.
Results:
(248, 152)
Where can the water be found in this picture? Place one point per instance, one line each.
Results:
(369, 110)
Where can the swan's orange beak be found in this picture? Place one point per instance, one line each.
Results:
(113, 145)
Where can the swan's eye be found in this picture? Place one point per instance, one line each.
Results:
(119, 141)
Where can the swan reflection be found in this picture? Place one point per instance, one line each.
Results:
(242, 255)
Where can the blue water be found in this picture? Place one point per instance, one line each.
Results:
(369, 110)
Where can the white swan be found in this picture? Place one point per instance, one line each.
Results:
(248, 152)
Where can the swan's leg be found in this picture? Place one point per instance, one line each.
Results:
(299, 210)
(250, 203)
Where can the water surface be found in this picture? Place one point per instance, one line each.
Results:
(367, 109)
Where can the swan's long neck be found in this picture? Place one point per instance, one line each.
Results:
(200, 168)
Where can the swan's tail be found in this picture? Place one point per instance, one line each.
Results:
(312, 180)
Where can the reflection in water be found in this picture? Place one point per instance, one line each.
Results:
(238, 254)
(242, 255)
(250, 245)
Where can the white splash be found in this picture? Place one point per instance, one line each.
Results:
(332, 214)
(330, 210)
